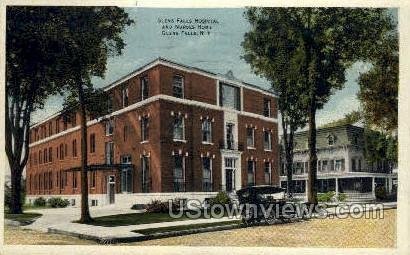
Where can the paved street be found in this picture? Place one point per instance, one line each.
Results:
(341, 233)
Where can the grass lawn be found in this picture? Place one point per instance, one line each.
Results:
(134, 219)
(184, 227)
(22, 217)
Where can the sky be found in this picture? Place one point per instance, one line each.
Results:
(218, 52)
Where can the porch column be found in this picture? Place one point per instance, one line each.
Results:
(306, 196)
(373, 188)
(337, 187)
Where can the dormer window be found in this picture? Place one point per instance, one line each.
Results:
(331, 140)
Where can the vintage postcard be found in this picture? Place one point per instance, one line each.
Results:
(214, 128)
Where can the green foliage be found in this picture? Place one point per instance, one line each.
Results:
(221, 198)
(379, 87)
(58, 202)
(349, 118)
(314, 46)
(342, 197)
(379, 146)
(326, 197)
(39, 202)
(157, 206)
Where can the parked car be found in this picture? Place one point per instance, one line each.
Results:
(265, 204)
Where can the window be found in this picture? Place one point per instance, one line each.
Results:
(57, 126)
(206, 131)
(125, 133)
(251, 172)
(124, 96)
(250, 137)
(266, 107)
(40, 157)
(50, 154)
(109, 153)
(178, 132)
(109, 127)
(92, 179)
(144, 88)
(65, 150)
(61, 151)
(267, 140)
(50, 180)
(325, 166)
(332, 165)
(109, 104)
(45, 155)
(126, 174)
(206, 174)
(144, 128)
(146, 180)
(353, 165)
(229, 96)
(340, 165)
(178, 86)
(268, 173)
(73, 119)
(50, 128)
(230, 141)
(74, 148)
(74, 180)
(331, 140)
(179, 175)
(92, 143)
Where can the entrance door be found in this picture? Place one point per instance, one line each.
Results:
(230, 168)
(111, 189)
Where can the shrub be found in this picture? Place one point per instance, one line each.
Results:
(221, 198)
(58, 202)
(380, 192)
(157, 206)
(40, 202)
(137, 207)
(7, 196)
(326, 197)
(342, 197)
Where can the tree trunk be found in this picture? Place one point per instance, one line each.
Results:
(310, 77)
(15, 203)
(312, 179)
(85, 211)
(289, 162)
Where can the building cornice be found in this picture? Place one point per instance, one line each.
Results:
(181, 67)
(151, 100)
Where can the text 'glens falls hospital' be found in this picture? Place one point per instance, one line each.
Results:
(174, 132)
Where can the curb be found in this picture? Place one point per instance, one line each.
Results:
(112, 240)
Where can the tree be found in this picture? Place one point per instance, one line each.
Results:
(281, 68)
(349, 118)
(380, 85)
(328, 41)
(34, 70)
(49, 50)
(93, 34)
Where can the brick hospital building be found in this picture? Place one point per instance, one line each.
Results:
(173, 131)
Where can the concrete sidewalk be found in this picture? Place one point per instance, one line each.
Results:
(60, 216)
(122, 232)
